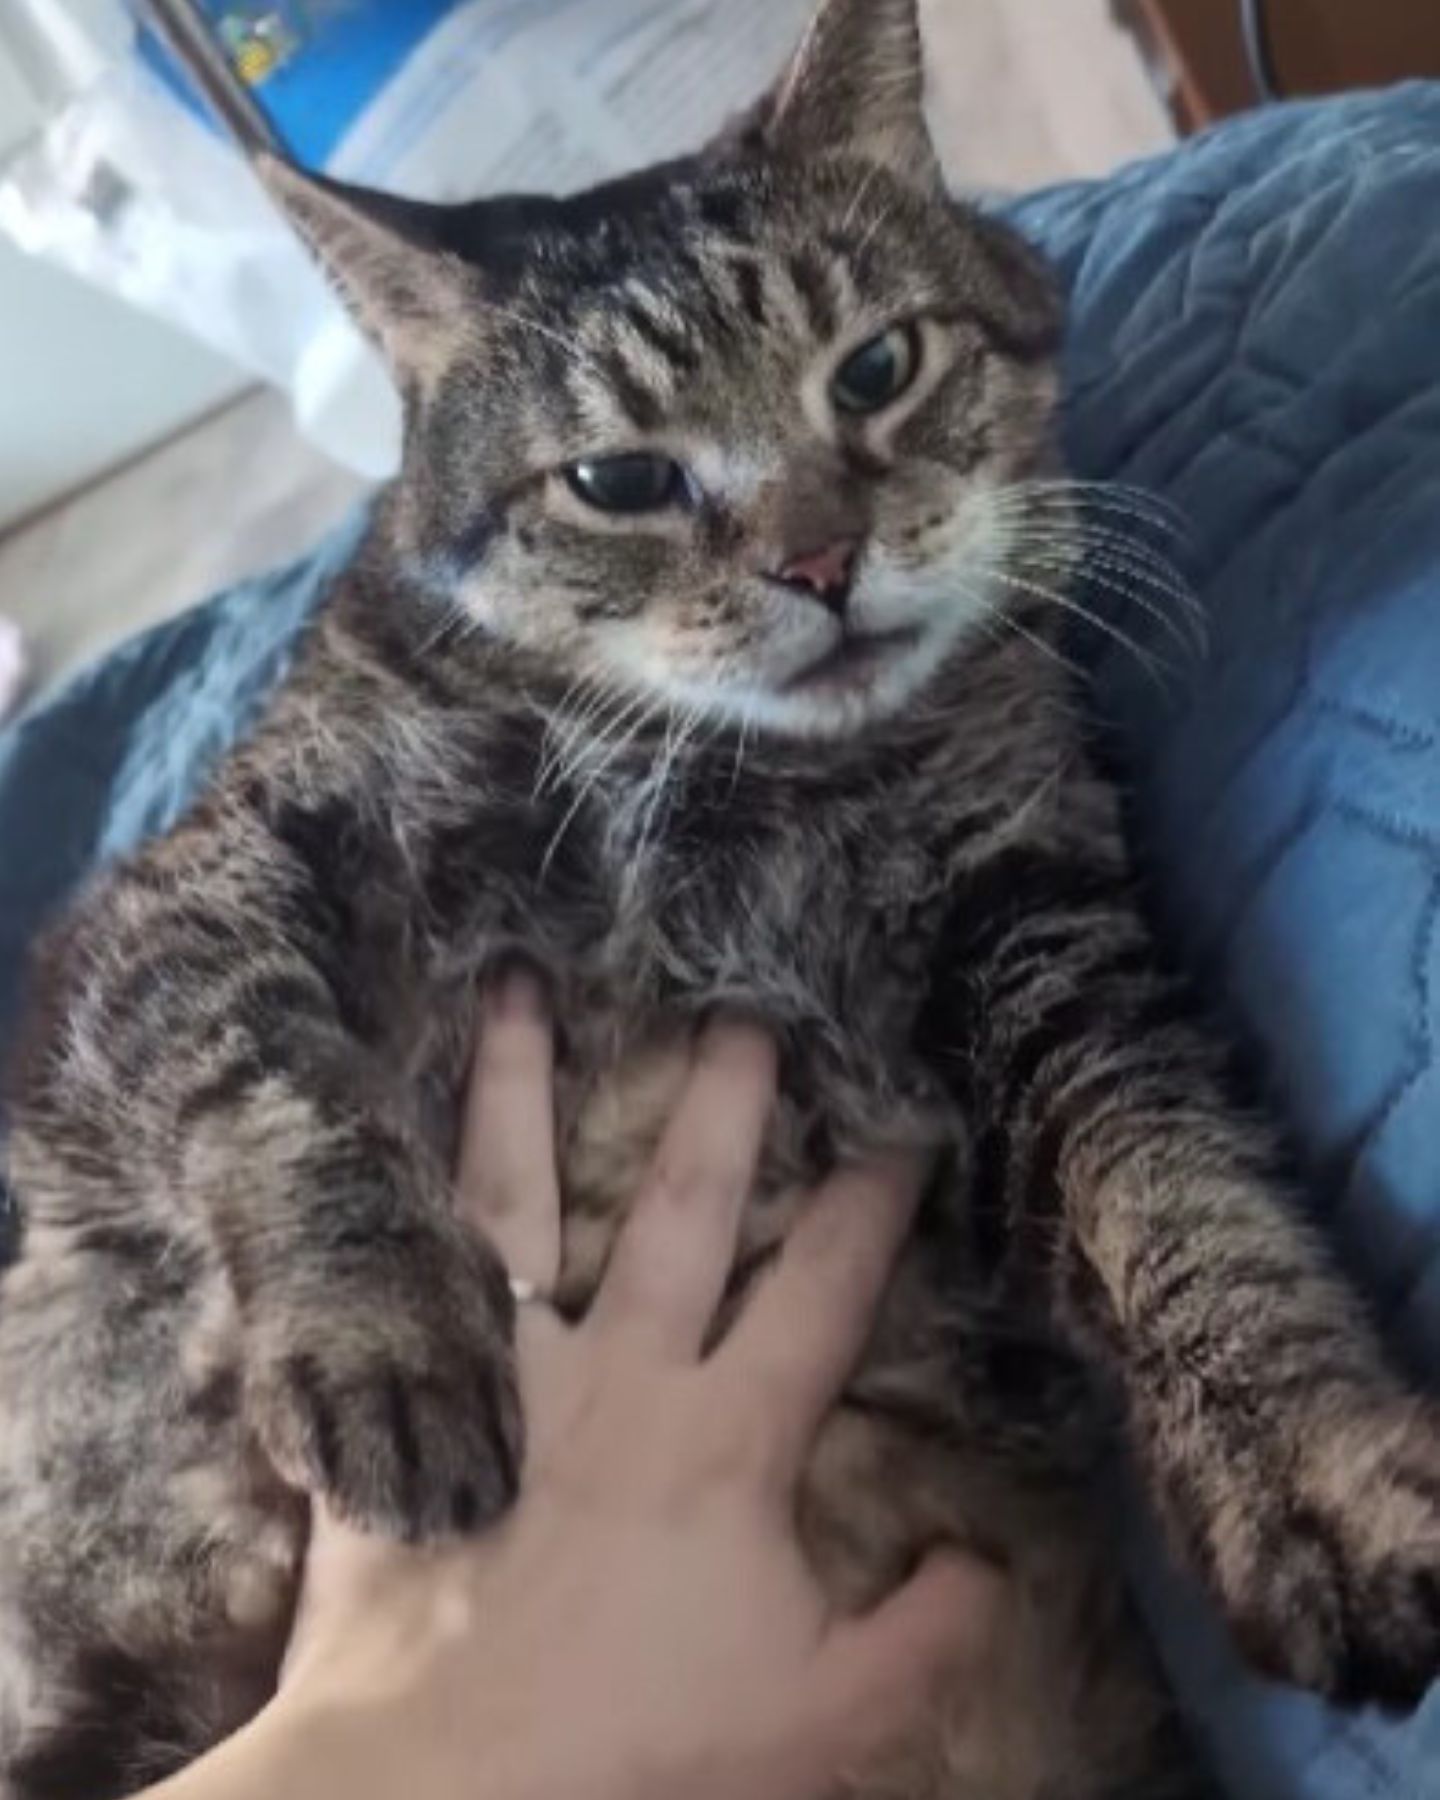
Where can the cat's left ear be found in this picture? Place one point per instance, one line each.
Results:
(414, 299)
(855, 86)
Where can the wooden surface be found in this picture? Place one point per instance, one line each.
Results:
(1324, 45)
(1317, 47)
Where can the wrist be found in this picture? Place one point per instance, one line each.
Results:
(314, 1752)
(310, 1746)
(257, 1759)
(317, 1750)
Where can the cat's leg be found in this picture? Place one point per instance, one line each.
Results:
(1282, 1449)
(375, 1326)
(149, 1557)
(208, 1069)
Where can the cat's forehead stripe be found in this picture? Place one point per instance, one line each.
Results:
(750, 287)
(809, 273)
(644, 408)
(662, 326)
(697, 299)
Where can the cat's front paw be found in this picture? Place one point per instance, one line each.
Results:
(393, 1397)
(1328, 1554)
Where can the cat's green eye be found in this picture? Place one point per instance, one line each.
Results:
(636, 482)
(878, 372)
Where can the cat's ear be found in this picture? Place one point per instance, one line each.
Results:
(411, 297)
(855, 86)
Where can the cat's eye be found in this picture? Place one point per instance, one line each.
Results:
(635, 482)
(878, 372)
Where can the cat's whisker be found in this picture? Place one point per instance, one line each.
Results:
(866, 237)
(465, 627)
(1084, 563)
(718, 725)
(583, 747)
(645, 711)
(1097, 513)
(677, 730)
(996, 622)
(559, 719)
(561, 742)
(862, 190)
(1048, 785)
(1185, 632)
(1131, 585)
(1084, 534)
(1107, 531)
(694, 720)
(1153, 665)
(1048, 650)
(452, 617)
(597, 736)
(1158, 517)
(1084, 551)
(1167, 584)
(1080, 499)
(1176, 606)
(575, 723)
(737, 761)
(609, 708)
(1143, 499)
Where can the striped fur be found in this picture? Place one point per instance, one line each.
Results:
(516, 728)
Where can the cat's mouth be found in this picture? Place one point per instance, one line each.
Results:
(853, 662)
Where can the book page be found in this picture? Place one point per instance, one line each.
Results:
(551, 95)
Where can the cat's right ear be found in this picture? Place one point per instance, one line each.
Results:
(414, 300)
(855, 86)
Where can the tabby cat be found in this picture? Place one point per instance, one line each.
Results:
(699, 655)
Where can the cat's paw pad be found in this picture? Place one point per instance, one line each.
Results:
(405, 1417)
(1331, 1570)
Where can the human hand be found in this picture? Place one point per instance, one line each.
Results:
(643, 1622)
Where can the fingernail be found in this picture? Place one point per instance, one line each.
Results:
(729, 1031)
(515, 993)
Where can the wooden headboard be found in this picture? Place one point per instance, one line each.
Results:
(1197, 48)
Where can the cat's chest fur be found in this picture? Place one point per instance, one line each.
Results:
(796, 929)
(812, 905)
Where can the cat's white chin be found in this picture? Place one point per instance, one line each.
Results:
(856, 683)
(854, 663)
(860, 682)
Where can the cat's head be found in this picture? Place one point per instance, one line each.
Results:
(735, 432)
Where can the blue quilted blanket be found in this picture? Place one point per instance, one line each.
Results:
(1256, 337)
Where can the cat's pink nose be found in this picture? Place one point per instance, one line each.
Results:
(827, 573)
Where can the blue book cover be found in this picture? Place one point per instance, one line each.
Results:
(312, 65)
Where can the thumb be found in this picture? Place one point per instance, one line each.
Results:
(878, 1674)
(343, 1570)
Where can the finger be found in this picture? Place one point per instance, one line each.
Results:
(810, 1318)
(339, 1557)
(674, 1256)
(343, 1570)
(877, 1676)
(507, 1180)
